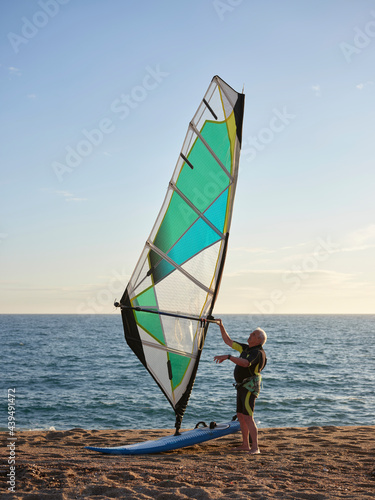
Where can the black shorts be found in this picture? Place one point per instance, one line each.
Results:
(245, 401)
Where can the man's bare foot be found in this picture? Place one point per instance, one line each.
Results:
(242, 448)
(254, 452)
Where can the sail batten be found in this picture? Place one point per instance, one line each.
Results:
(176, 280)
(210, 109)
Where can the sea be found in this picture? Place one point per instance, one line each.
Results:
(67, 371)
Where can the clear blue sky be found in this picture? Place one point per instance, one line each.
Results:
(129, 75)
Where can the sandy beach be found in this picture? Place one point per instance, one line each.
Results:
(310, 463)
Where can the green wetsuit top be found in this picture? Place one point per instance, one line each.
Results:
(254, 355)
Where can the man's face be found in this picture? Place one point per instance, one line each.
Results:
(253, 339)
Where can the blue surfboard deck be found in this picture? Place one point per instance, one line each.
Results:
(169, 443)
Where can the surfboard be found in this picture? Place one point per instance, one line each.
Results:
(169, 443)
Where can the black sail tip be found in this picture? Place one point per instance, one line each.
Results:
(238, 113)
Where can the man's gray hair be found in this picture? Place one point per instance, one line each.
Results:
(262, 336)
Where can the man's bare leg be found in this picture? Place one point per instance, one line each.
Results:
(253, 431)
(245, 432)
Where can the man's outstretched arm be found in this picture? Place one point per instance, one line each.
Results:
(224, 333)
(237, 361)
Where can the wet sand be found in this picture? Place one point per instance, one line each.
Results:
(309, 463)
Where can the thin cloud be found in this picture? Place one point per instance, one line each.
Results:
(69, 196)
(292, 247)
(361, 238)
(14, 71)
(76, 199)
(323, 272)
(241, 272)
(357, 248)
(64, 193)
(361, 86)
(16, 287)
(317, 90)
(260, 250)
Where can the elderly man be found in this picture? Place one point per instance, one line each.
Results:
(249, 364)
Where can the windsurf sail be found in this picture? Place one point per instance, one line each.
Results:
(175, 283)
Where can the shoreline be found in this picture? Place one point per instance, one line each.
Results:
(320, 462)
(170, 430)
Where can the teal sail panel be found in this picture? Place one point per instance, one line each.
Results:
(175, 283)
